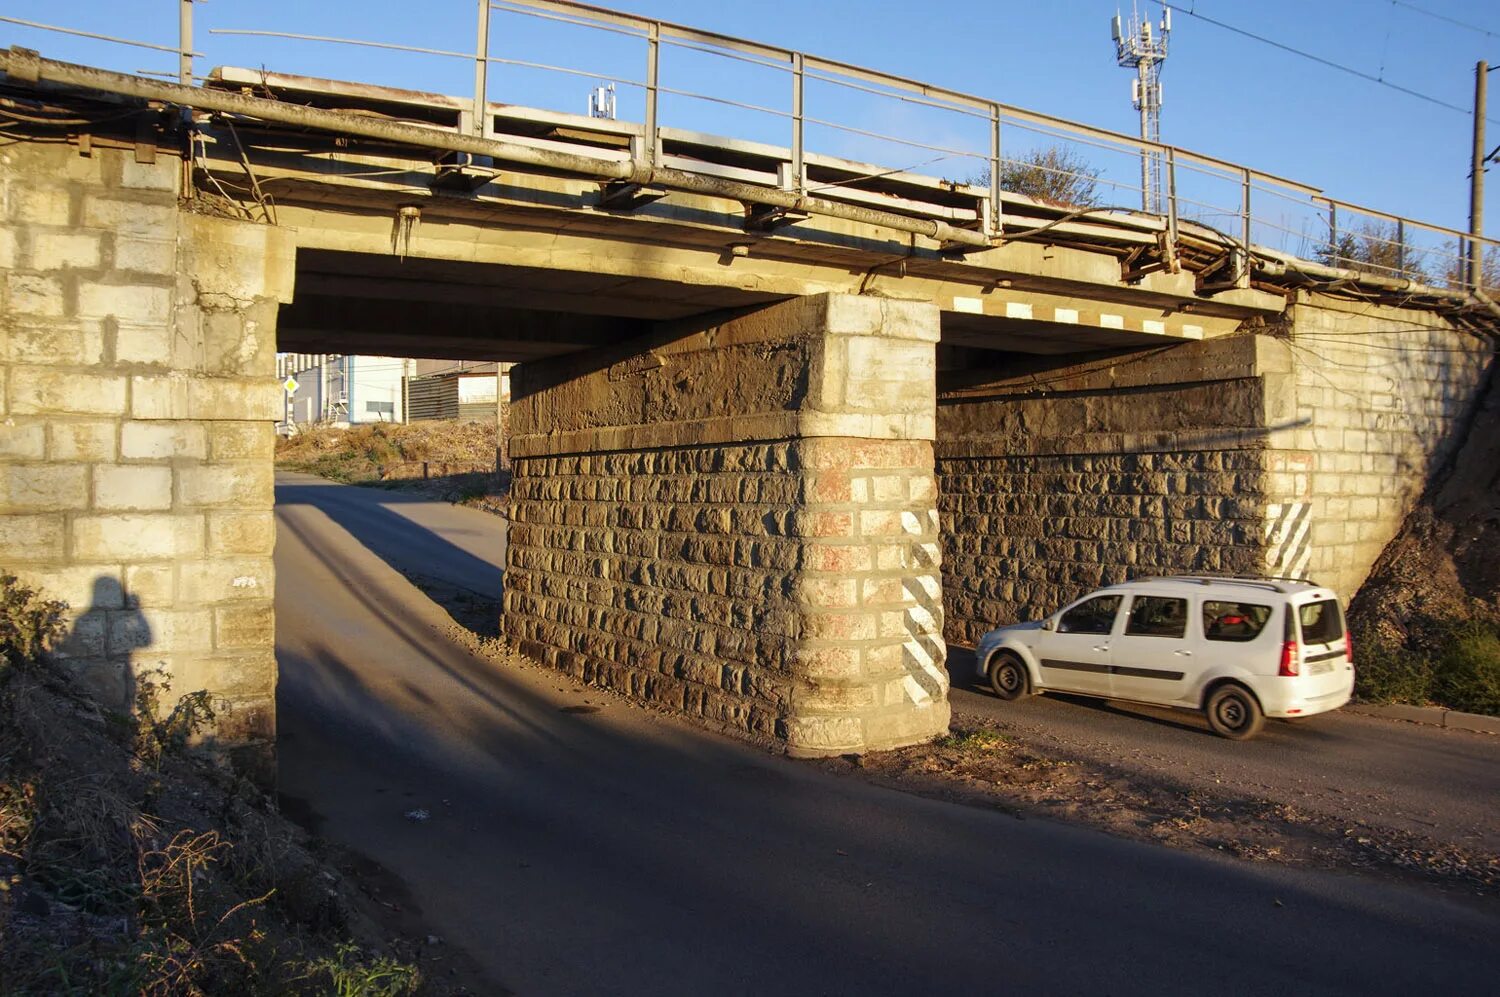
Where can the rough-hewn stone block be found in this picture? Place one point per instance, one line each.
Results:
(22, 440)
(47, 391)
(137, 537)
(65, 250)
(43, 487)
(133, 303)
(162, 440)
(31, 538)
(132, 487)
(34, 295)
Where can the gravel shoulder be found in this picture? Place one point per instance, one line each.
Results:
(1344, 791)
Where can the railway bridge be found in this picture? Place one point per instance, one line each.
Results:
(785, 423)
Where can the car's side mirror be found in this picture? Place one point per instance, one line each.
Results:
(1049, 624)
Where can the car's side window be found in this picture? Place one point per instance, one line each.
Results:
(1096, 616)
(1157, 616)
(1234, 621)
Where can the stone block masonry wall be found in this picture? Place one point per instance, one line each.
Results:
(1295, 454)
(738, 521)
(137, 345)
(1054, 484)
(1376, 399)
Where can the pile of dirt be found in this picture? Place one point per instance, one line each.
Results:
(131, 864)
(1431, 605)
(449, 460)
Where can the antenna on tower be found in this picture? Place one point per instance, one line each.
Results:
(602, 101)
(1140, 48)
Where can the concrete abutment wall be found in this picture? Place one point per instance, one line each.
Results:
(736, 519)
(137, 345)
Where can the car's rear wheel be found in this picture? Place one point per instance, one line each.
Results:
(1233, 713)
(1008, 677)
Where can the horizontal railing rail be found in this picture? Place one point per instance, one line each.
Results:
(1247, 208)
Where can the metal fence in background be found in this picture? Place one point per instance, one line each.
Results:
(812, 106)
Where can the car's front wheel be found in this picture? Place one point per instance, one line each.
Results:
(1233, 712)
(1008, 676)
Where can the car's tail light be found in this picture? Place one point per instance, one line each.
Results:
(1349, 647)
(1290, 665)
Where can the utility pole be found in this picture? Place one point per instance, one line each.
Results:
(1476, 179)
(1136, 48)
(185, 42)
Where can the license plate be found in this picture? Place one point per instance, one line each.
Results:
(1320, 667)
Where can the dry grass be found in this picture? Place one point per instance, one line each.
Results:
(448, 460)
(131, 866)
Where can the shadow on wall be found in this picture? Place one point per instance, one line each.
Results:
(107, 647)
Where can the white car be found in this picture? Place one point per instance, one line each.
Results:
(1239, 649)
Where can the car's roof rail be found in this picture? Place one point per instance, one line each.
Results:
(1259, 581)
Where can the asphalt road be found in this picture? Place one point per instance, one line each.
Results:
(573, 850)
(1429, 780)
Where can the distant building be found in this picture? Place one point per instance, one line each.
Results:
(457, 389)
(343, 389)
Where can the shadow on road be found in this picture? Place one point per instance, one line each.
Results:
(590, 851)
(469, 588)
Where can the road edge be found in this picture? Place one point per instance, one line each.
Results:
(1435, 716)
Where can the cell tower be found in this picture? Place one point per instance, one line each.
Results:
(1136, 47)
(602, 101)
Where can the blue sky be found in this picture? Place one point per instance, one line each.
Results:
(1225, 95)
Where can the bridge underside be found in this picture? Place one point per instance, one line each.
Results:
(757, 487)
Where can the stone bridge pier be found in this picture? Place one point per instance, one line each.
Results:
(137, 399)
(735, 517)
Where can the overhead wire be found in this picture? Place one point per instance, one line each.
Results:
(1445, 17)
(1429, 98)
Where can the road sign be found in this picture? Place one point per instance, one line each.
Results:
(290, 384)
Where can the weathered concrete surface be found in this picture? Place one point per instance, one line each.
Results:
(1373, 398)
(1293, 453)
(736, 519)
(137, 344)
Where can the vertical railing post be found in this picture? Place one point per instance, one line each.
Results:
(1172, 217)
(997, 217)
(1400, 247)
(1244, 277)
(185, 42)
(1333, 233)
(653, 71)
(799, 173)
(482, 70)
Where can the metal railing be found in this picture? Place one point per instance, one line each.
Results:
(1232, 204)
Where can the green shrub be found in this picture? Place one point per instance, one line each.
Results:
(29, 624)
(1468, 674)
(1390, 673)
(1455, 664)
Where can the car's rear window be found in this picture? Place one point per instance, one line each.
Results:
(1234, 621)
(1321, 621)
(1157, 616)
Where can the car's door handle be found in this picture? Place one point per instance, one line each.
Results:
(1183, 654)
(1101, 647)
